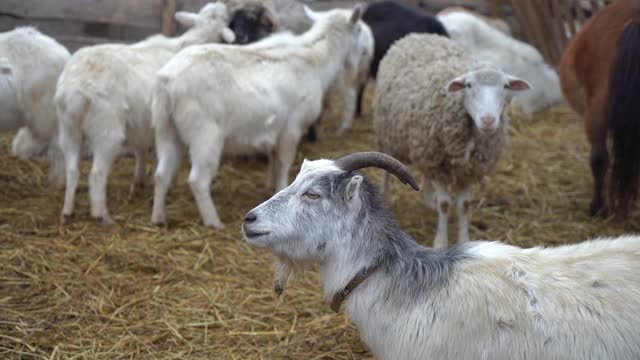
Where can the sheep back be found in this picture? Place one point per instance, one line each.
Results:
(416, 121)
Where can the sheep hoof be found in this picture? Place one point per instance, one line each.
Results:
(105, 220)
(66, 218)
(158, 220)
(312, 135)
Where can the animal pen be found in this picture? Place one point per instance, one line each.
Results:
(184, 291)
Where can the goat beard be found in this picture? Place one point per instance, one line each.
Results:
(284, 268)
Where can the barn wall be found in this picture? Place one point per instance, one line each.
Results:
(78, 23)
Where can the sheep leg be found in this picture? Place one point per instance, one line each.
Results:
(463, 202)
(285, 155)
(71, 149)
(271, 171)
(103, 159)
(138, 176)
(346, 88)
(444, 206)
(361, 90)
(205, 152)
(170, 153)
(56, 164)
(429, 194)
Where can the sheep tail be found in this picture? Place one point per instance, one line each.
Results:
(72, 109)
(160, 104)
(624, 120)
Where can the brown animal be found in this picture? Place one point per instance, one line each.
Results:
(600, 77)
(495, 23)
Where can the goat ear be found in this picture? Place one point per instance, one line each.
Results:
(186, 18)
(353, 187)
(310, 13)
(516, 84)
(268, 21)
(357, 13)
(455, 85)
(228, 35)
(304, 165)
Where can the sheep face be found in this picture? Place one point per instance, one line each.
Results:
(299, 222)
(486, 93)
(252, 23)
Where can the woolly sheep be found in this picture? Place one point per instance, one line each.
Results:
(508, 54)
(250, 102)
(103, 96)
(30, 63)
(479, 300)
(454, 139)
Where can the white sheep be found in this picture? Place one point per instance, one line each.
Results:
(103, 95)
(30, 63)
(350, 84)
(479, 300)
(438, 109)
(507, 54)
(257, 98)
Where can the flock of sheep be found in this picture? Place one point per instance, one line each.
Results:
(442, 86)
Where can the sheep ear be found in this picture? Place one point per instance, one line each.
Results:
(516, 84)
(455, 85)
(357, 12)
(310, 13)
(353, 187)
(186, 18)
(228, 35)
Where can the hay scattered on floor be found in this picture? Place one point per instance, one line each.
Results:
(84, 291)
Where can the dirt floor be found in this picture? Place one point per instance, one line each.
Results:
(135, 291)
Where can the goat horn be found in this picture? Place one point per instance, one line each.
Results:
(361, 160)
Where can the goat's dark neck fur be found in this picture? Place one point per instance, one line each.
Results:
(377, 238)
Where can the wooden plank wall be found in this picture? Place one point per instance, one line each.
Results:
(549, 24)
(77, 23)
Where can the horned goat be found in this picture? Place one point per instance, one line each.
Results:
(478, 300)
(250, 101)
(30, 63)
(103, 95)
(438, 109)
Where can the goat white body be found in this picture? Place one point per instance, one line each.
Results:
(487, 44)
(30, 64)
(103, 95)
(576, 301)
(477, 300)
(255, 99)
(353, 77)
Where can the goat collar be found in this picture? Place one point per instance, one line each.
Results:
(341, 295)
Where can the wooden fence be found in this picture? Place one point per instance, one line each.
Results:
(549, 24)
(77, 23)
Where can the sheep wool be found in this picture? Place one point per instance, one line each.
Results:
(418, 122)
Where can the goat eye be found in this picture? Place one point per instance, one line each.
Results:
(311, 195)
(467, 85)
(506, 86)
